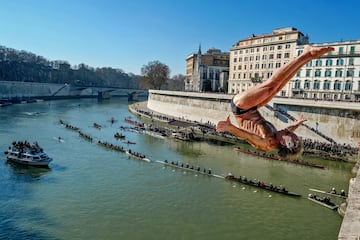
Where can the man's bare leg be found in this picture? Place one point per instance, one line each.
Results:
(264, 92)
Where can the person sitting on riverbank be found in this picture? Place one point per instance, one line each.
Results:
(260, 133)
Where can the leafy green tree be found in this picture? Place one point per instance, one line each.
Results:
(154, 75)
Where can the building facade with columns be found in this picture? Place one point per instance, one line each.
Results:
(334, 76)
(207, 72)
(254, 59)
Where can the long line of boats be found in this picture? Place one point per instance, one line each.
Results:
(33, 155)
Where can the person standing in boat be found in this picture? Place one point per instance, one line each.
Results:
(260, 133)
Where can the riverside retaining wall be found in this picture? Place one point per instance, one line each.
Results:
(338, 120)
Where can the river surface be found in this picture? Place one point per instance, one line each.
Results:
(90, 192)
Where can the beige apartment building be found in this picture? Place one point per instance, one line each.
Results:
(335, 76)
(207, 72)
(254, 59)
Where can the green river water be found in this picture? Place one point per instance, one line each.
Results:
(93, 193)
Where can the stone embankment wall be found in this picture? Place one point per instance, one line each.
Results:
(337, 120)
(29, 89)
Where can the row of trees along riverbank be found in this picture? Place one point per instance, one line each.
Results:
(23, 66)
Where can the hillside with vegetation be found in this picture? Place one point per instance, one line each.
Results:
(23, 66)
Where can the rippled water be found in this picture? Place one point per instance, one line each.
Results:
(93, 193)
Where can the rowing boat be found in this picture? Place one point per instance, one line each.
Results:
(191, 169)
(138, 156)
(206, 172)
(262, 185)
(321, 201)
(327, 193)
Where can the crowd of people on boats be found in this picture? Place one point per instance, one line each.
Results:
(25, 146)
(111, 146)
(326, 200)
(136, 154)
(256, 182)
(85, 136)
(190, 167)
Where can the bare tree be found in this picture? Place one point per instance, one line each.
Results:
(177, 83)
(154, 75)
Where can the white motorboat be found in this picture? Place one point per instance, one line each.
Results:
(26, 154)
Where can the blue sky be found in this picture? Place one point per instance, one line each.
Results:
(129, 34)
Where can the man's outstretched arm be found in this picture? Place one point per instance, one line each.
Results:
(295, 125)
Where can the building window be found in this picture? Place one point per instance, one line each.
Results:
(339, 62)
(239, 67)
(326, 85)
(250, 66)
(286, 55)
(264, 49)
(271, 65)
(245, 59)
(318, 63)
(251, 58)
(328, 62)
(278, 55)
(271, 56)
(257, 66)
(351, 61)
(352, 49)
(272, 39)
(240, 59)
(328, 73)
(244, 75)
(297, 84)
(348, 86)
(271, 48)
(350, 73)
(279, 47)
(257, 58)
(341, 50)
(316, 84)
(307, 74)
(338, 73)
(298, 74)
(277, 65)
(300, 52)
(235, 59)
(337, 85)
(309, 64)
(234, 68)
(307, 84)
(264, 57)
(317, 73)
(287, 46)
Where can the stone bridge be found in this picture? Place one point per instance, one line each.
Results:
(31, 90)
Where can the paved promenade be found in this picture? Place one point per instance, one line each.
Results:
(350, 227)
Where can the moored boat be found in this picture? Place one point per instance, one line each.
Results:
(275, 157)
(27, 154)
(325, 201)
